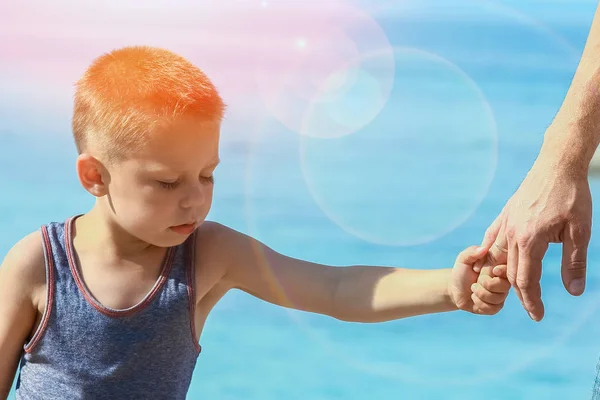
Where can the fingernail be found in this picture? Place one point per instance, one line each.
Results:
(531, 316)
(480, 248)
(577, 286)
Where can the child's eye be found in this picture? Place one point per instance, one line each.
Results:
(169, 185)
(208, 179)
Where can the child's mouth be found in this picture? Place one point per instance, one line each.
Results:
(184, 229)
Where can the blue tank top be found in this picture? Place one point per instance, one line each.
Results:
(84, 350)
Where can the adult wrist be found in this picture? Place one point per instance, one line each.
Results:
(568, 150)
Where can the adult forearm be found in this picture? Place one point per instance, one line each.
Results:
(572, 138)
(375, 294)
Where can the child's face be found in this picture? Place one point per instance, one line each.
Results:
(168, 184)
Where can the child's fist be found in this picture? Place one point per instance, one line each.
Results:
(478, 293)
(490, 290)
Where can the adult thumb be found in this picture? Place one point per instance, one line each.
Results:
(574, 257)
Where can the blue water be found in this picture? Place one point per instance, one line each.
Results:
(412, 188)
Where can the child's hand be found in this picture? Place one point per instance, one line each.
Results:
(479, 293)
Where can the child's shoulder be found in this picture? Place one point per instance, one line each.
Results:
(28, 252)
(211, 239)
(220, 247)
(218, 239)
(24, 265)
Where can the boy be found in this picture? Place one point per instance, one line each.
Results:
(112, 303)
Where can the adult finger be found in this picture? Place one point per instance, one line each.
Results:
(529, 274)
(512, 263)
(492, 235)
(498, 252)
(492, 232)
(576, 238)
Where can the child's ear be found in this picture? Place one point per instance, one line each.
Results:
(92, 174)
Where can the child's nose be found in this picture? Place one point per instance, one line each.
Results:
(194, 197)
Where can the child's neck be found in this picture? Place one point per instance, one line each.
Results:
(96, 229)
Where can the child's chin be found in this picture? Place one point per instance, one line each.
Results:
(166, 239)
(171, 239)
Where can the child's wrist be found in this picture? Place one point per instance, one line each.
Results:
(448, 295)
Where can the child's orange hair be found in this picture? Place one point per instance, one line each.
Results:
(126, 93)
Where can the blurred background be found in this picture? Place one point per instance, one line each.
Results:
(358, 132)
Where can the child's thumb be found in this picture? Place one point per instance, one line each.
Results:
(472, 254)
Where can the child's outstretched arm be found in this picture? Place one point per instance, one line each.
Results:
(352, 293)
(22, 278)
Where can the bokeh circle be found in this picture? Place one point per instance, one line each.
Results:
(304, 60)
(432, 146)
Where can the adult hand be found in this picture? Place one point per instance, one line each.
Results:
(552, 205)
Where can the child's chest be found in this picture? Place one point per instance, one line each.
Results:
(119, 284)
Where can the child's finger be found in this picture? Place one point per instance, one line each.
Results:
(481, 307)
(500, 270)
(486, 272)
(478, 265)
(494, 284)
(486, 296)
